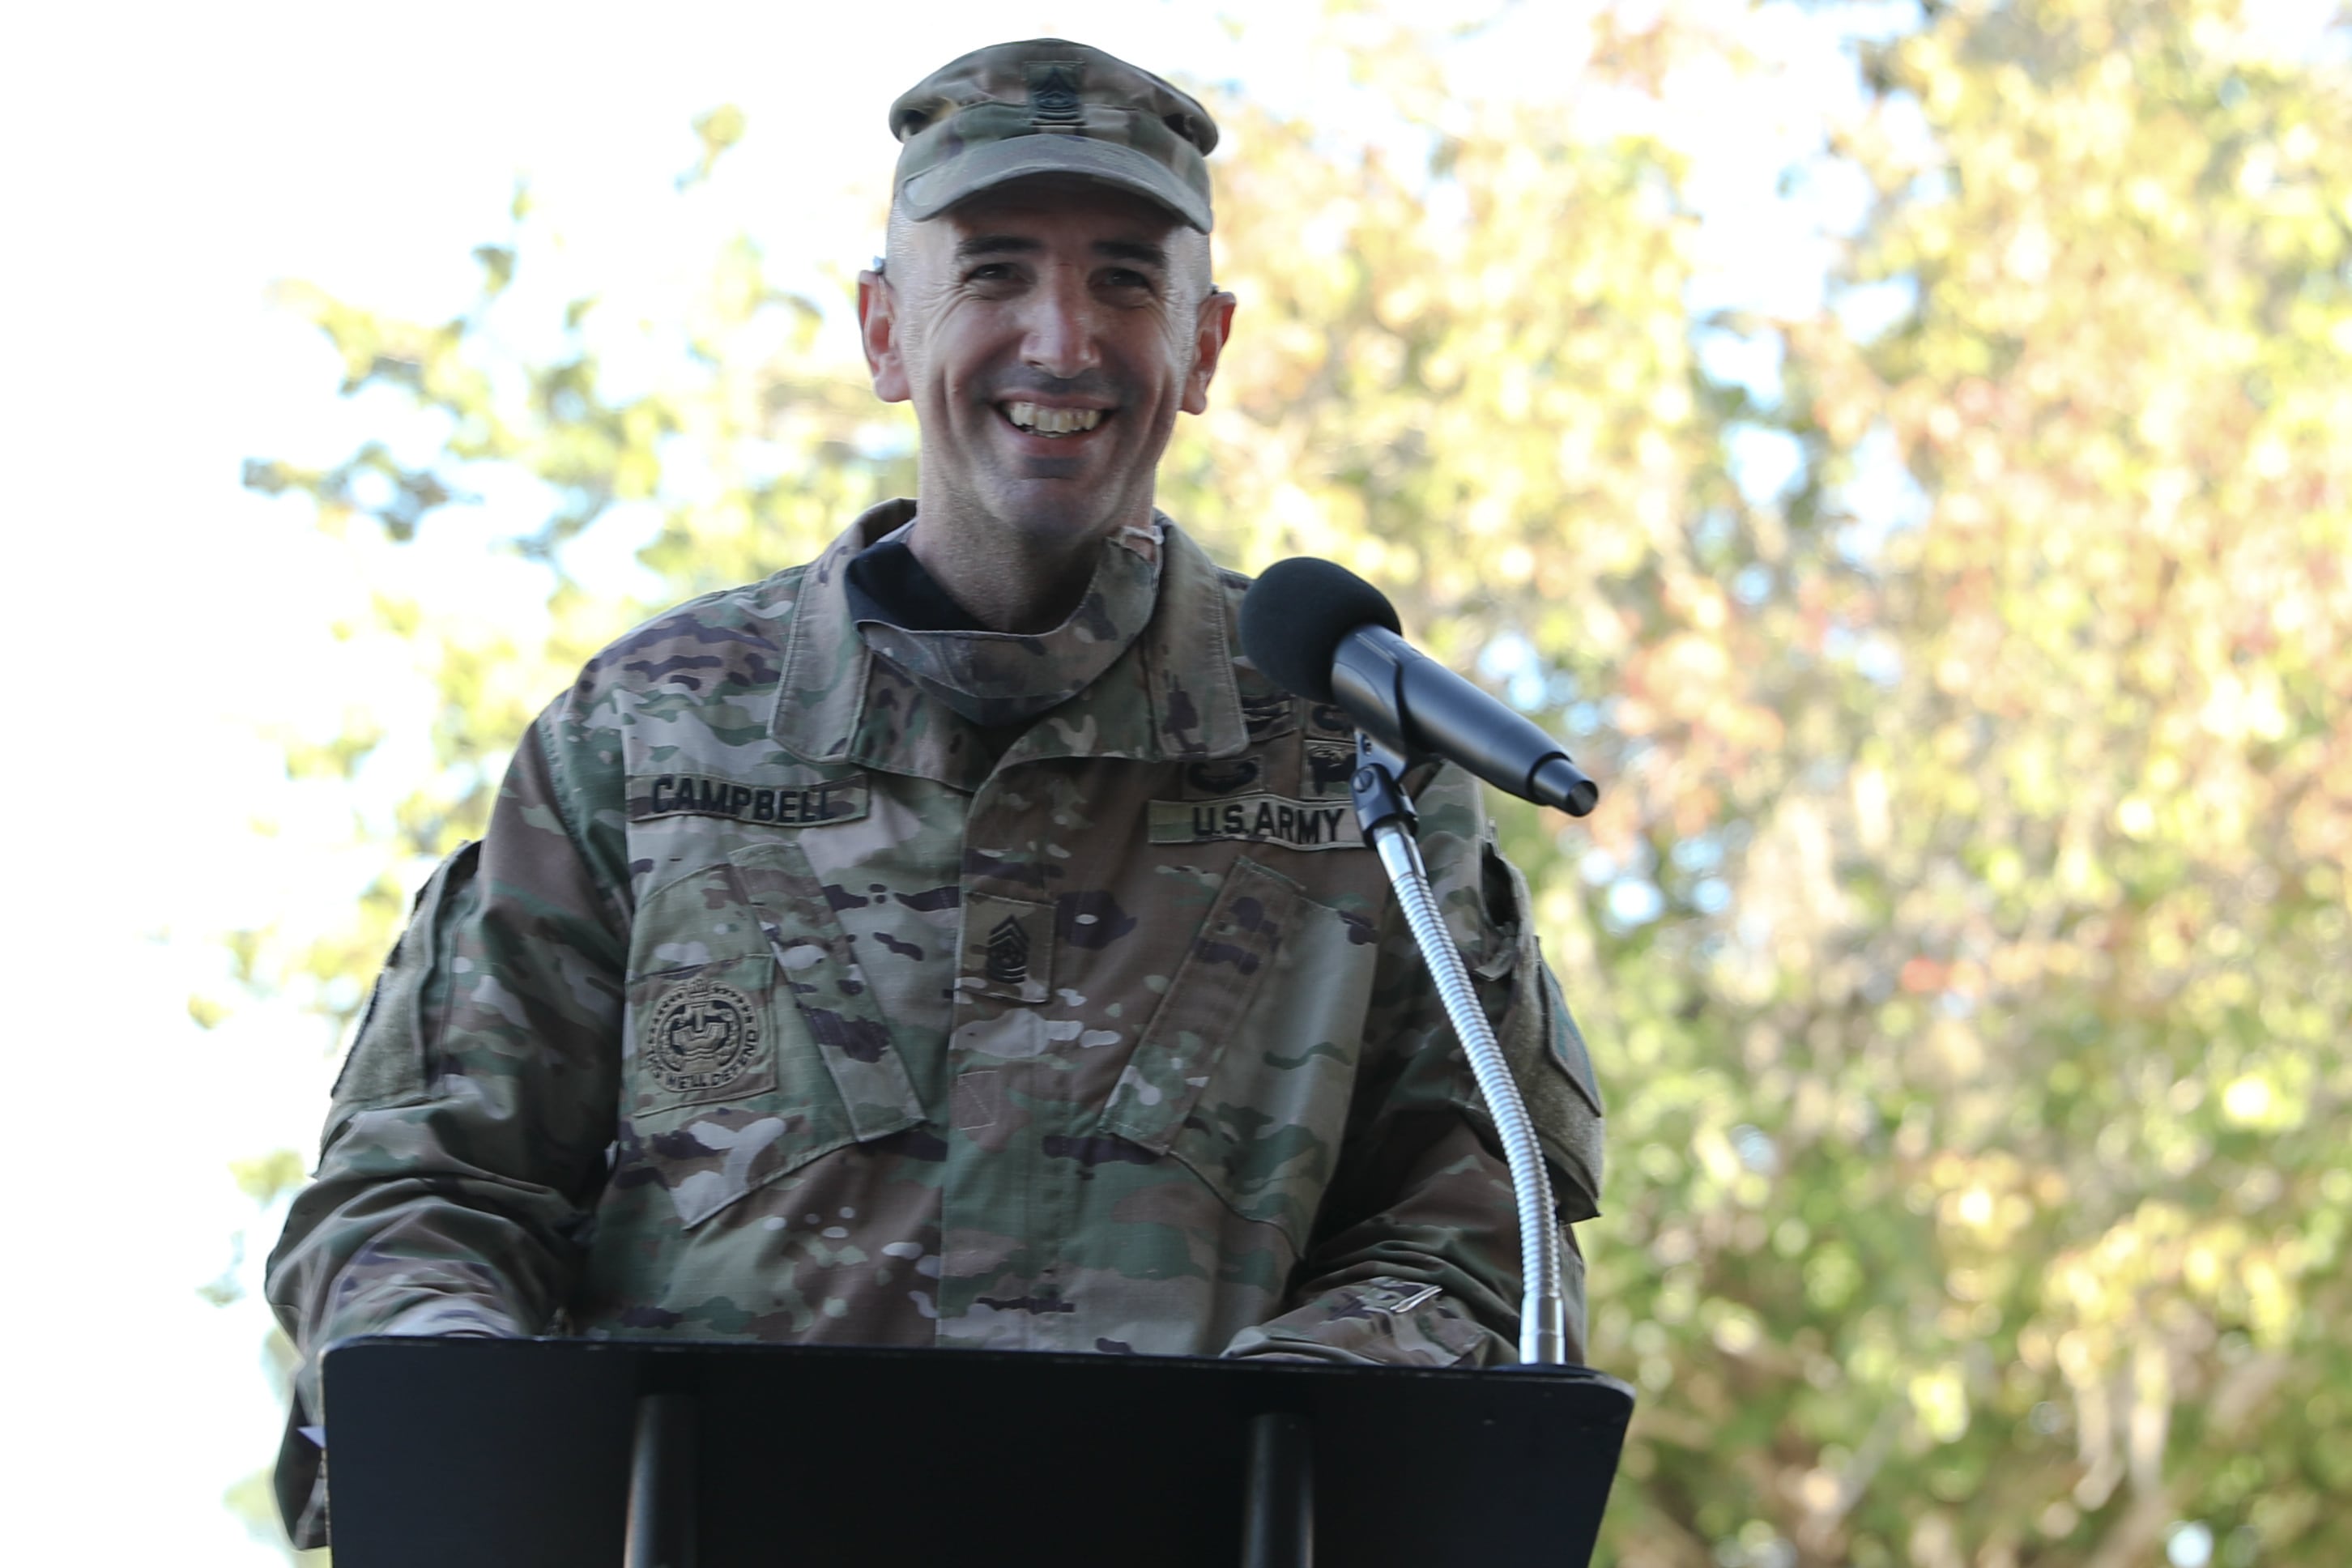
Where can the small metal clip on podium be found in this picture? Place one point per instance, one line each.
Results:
(618, 1454)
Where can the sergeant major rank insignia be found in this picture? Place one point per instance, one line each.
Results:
(1008, 952)
(1054, 94)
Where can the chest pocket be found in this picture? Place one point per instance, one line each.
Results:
(1246, 1069)
(755, 1045)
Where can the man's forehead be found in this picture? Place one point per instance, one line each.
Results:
(1067, 207)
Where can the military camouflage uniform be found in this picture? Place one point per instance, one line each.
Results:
(809, 987)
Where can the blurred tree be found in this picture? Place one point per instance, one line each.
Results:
(1963, 935)
(2042, 975)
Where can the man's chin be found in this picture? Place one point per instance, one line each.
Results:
(1057, 507)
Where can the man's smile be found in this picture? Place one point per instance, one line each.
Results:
(1042, 419)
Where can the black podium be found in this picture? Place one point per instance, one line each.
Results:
(590, 1454)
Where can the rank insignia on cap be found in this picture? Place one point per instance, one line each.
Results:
(1054, 93)
(1040, 106)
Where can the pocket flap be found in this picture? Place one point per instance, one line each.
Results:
(717, 1155)
(817, 963)
(391, 1061)
(1554, 1072)
(1207, 998)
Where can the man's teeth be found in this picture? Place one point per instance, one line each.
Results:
(1052, 421)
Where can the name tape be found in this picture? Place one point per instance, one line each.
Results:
(791, 806)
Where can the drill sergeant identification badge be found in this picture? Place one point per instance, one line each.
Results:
(702, 1036)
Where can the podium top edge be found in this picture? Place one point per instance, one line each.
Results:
(372, 1345)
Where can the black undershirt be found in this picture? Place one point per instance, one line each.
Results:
(886, 583)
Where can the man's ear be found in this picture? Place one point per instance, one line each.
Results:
(1209, 330)
(878, 326)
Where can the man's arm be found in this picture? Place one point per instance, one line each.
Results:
(1415, 1258)
(467, 1137)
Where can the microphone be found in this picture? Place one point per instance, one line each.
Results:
(1319, 631)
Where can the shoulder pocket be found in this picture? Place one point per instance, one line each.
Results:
(832, 998)
(391, 1058)
(1547, 1052)
(1554, 1071)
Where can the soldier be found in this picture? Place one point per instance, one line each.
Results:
(954, 940)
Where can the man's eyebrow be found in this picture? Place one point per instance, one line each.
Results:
(1136, 250)
(996, 244)
(1133, 251)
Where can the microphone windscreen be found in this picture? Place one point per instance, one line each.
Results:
(1297, 614)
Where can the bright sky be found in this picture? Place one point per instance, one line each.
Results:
(163, 163)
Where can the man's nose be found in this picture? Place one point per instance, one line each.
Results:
(1060, 330)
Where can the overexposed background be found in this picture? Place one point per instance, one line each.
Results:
(165, 165)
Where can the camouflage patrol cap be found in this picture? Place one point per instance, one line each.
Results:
(1011, 111)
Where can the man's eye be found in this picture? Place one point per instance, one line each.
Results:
(1126, 277)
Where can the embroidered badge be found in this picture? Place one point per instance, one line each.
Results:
(1008, 952)
(1005, 948)
(1267, 715)
(1054, 93)
(697, 794)
(1329, 765)
(1257, 819)
(702, 1035)
(1226, 778)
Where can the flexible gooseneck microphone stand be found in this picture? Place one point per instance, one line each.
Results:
(1387, 817)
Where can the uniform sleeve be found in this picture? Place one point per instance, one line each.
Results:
(1415, 1256)
(466, 1138)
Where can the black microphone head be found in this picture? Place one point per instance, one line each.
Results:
(1298, 612)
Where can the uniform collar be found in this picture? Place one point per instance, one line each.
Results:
(1171, 695)
(1001, 680)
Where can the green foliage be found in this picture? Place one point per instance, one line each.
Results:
(270, 1176)
(719, 130)
(2091, 829)
(1964, 936)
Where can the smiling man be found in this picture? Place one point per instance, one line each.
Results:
(1048, 333)
(954, 940)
